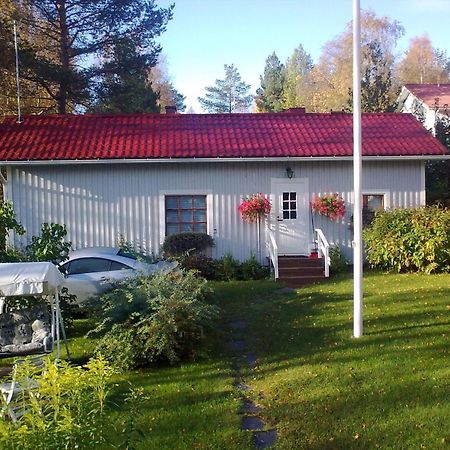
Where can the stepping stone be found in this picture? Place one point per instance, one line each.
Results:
(236, 346)
(237, 324)
(250, 359)
(264, 439)
(252, 423)
(242, 386)
(251, 407)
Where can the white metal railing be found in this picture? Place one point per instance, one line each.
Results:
(272, 247)
(324, 249)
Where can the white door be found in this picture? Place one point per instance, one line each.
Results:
(290, 218)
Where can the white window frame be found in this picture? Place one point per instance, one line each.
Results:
(384, 192)
(162, 208)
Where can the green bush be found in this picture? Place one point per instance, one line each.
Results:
(182, 243)
(8, 222)
(65, 409)
(204, 265)
(50, 245)
(228, 268)
(251, 269)
(338, 262)
(410, 240)
(152, 319)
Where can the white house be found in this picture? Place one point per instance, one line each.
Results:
(429, 103)
(145, 176)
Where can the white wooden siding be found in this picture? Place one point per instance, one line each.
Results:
(100, 202)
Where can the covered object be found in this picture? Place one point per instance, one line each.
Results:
(33, 329)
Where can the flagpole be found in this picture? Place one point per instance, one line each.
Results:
(357, 169)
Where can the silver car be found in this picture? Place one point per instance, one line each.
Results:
(92, 271)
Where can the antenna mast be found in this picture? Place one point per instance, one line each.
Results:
(19, 115)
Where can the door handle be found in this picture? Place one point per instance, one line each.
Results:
(279, 220)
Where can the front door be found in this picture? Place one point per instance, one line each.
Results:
(290, 218)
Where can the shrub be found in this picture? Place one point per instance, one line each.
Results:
(204, 265)
(338, 262)
(228, 268)
(182, 243)
(50, 245)
(410, 240)
(151, 319)
(8, 222)
(65, 409)
(251, 269)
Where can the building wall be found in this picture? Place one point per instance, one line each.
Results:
(100, 202)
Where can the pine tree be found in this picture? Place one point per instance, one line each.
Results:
(124, 88)
(269, 97)
(60, 39)
(228, 95)
(297, 82)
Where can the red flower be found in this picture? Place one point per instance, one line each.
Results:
(253, 207)
(329, 205)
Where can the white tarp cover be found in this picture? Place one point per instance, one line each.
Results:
(29, 278)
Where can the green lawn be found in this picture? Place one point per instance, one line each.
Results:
(321, 388)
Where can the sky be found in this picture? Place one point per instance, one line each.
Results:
(206, 34)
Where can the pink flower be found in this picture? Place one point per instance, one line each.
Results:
(329, 205)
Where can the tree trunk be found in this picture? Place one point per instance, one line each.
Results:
(64, 56)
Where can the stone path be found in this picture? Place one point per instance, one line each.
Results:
(251, 420)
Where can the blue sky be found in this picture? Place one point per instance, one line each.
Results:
(206, 34)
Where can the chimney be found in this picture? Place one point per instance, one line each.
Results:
(171, 109)
(295, 110)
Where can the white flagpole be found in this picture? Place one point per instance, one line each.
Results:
(357, 169)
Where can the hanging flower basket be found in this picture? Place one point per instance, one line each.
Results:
(253, 207)
(329, 205)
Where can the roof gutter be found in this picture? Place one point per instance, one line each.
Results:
(222, 160)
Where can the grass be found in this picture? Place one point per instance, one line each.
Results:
(322, 389)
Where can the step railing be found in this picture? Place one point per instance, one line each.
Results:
(324, 249)
(272, 248)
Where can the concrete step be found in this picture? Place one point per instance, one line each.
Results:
(297, 282)
(301, 271)
(296, 261)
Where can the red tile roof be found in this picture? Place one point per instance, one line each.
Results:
(433, 95)
(161, 136)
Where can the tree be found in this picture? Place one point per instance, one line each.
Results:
(333, 73)
(298, 80)
(228, 95)
(61, 38)
(160, 81)
(423, 64)
(34, 98)
(124, 88)
(376, 82)
(437, 173)
(269, 97)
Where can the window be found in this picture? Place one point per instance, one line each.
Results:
(91, 265)
(289, 205)
(371, 204)
(185, 213)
